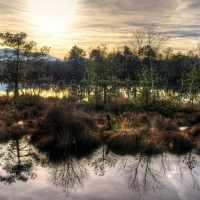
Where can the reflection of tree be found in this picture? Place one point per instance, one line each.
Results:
(102, 159)
(69, 174)
(142, 176)
(17, 158)
(189, 163)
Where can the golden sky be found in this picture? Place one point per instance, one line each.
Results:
(61, 24)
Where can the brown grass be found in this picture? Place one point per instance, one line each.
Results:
(194, 118)
(194, 131)
(197, 146)
(11, 132)
(118, 105)
(61, 124)
(163, 124)
(153, 143)
(69, 130)
(127, 140)
(179, 140)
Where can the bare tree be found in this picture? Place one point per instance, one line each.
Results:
(146, 43)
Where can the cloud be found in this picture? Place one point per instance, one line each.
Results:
(101, 21)
(12, 15)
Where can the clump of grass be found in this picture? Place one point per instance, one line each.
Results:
(179, 141)
(127, 140)
(5, 101)
(163, 124)
(141, 119)
(153, 143)
(197, 146)
(181, 119)
(194, 131)
(129, 119)
(108, 133)
(13, 131)
(67, 129)
(118, 104)
(194, 118)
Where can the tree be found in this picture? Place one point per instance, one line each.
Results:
(167, 69)
(102, 69)
(145, 81)
(146, 44)
(76, 62)
(21, 54)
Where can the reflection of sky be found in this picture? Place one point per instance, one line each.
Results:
(111, 186)
(32, 190)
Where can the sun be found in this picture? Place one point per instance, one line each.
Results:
(52, 16)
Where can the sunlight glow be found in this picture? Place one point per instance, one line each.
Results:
(50, 16)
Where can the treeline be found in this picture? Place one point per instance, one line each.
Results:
(142, 70)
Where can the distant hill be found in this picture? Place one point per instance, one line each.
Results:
(7, 52)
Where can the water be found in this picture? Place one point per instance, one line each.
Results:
(27, 173)
(3, 87)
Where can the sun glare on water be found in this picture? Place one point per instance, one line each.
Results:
(52, 16)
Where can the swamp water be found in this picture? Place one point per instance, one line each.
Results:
(26, 173)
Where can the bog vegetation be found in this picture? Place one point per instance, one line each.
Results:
(133, 98)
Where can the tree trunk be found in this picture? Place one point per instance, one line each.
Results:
(105, 94)
(16, 89)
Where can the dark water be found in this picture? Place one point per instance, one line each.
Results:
(29, 174)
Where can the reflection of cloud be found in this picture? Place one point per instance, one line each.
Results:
(107, 21)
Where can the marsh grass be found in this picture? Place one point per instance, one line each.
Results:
(181, 119)
(65, 125)
(118, 104)
(194, 131)
(197, 146)
(66, 129)
(153, 142)
(13, 131)
(127, 140)
(163, 124)
(179, 141)
(194, 118)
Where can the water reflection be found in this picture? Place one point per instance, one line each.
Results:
(143, 175)
(17, 160)
(68, 174)
(102, 159)
(189, 163)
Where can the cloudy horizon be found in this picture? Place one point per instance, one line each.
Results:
(62, 24)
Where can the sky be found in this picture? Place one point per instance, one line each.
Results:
(61, 24)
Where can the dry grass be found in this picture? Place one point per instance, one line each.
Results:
(13, 131)
(153, 143)
(194, 131)
(163, 124)
(179, 140)
(69, 130)
(61, 124)
(197, 146)
(127, 140)
(118, 105)
(181, 120)
(194, 118)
